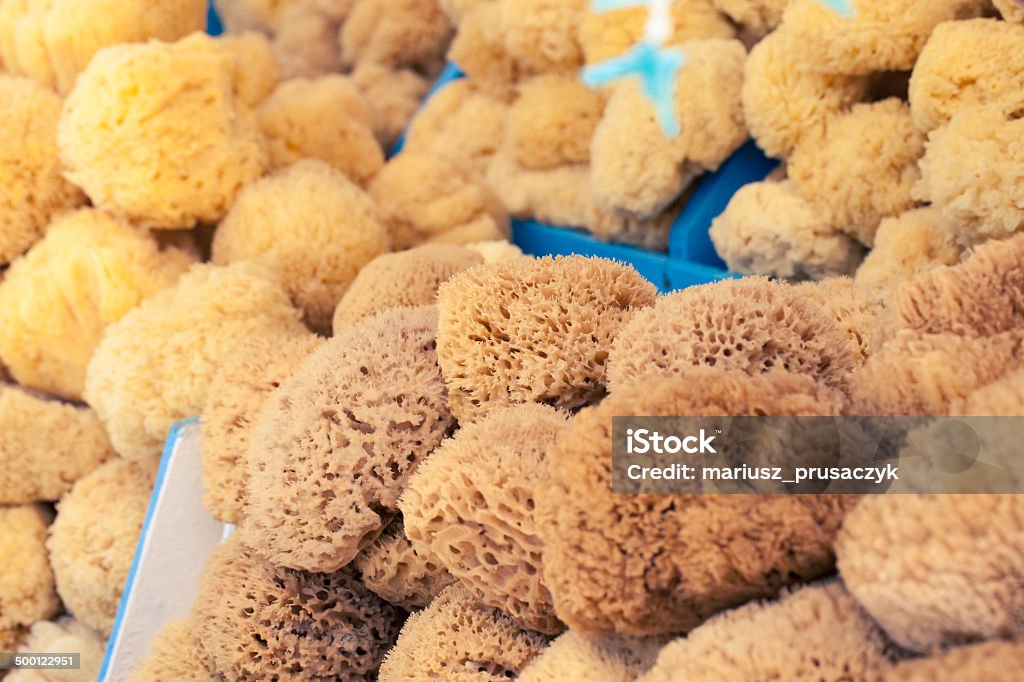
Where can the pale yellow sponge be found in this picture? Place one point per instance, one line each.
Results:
(31, 186)
(498, 251)
(46, 446)
(87, 273)
(758, 17)
(27, 589)
(159, 133)
(400, 572)
(574, 656)
(995, 660)
(424, 197)
(174, 655)
(155, 365)
(60, 637)
(309, 225)
(92, 541)
(1012, 10)
(397, 33)
(323, 118)
(552, 122)
(393, 97)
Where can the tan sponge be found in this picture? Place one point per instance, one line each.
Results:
(174, 655)
(27, 591)
(400, 572)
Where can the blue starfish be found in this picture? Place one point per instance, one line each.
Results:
(844, 7)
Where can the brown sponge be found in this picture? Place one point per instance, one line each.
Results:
(27, 590)
(174, 655)
(336, 444)
(854, 311)
(595, 659)
(481, 527)
(239, 390)
(751, 324)
(979, 662)
(406, 278)
(400, 572)
(531, 331)
(677, 559)
(458, 638)
(260, 622)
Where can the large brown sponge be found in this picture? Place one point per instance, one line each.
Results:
(336, 444)
(480, 525)
(400, 572)
(261, 622)
(536, 330)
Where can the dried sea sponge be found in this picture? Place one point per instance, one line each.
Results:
(862, 169)
(854, 311)
(750, 324)
(257, 621)
(524, 331)
(1011, 10)
(238, 392)
(758, 17)
(256, 70)
(552, 122)
(164, 163)
(249, 15)
(936, 570)
(1003, 397)
(635, 166)
(573, 656)
(393, 97)
(479, 50)
(306, 43)
(731, 548)
(400, 572)
(31, 186)
(540, 35)
(497, 251)
(811, 634)
(26, 582)
(426, 198)
(323, 118)
(155, 365)
(458, 638)
(405, 278)
(92, 541)
(396, 33)
(59, 637)
(482, 528)
(768, 229)
(174, 655)
(367, 407)
(312, 227)
(86, 273)
(996, 660)
(46, 446)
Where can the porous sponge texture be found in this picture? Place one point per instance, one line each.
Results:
(365, 408)
(854, 311)
(731, 548)
(174, 655)
(752, 324)
(401, 572)
(238, 392)
(812, 634)
(936, 570)
(322, 118)
(405, 278)
(86, 273)
(396, 33)
(552, 122)
(26, 581)
(46, 447)
(525, 331)
(92, 541)
(997, 660)
(596, 659)
(155, 365)
(424, 197)
(257, 621)
(61, 636)
(482, 527)
(32, 188)
(458, 638)
(163, 163)
(312, 227)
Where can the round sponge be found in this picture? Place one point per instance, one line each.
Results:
(46, 446)
(31, 185)
(996, 660)
(336, 445)
(309, 224)
(155, 365)
(936, 570)
(92, 541)
(260, 622)
(854, 311)
(26, 581)
(596, 659)
(238, 392)
(525, 331)
(400, 572)
(406, 278)
(393, 97)
(481, 527)
(174, 654)
(164, 162)
(398, 33)
(456, 637)
(86, 273)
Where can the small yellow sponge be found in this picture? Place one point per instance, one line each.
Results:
(26, 581)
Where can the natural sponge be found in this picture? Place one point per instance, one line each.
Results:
(997, 660)
(174, 654)
(483, 530)
(552, 122)
(425, 197)
(92, 541)
(238, 392)
(365, 408)
(59, 637)
(406, 278)
(400, 572)
(758, 17)
(312, 227)
(854, 311)
(812, 634)
(936, 570)
(525, 331)
(155, 365)
(257, 621)
(26, 581)
(31, 186)
(397, 33)
(596, 659)
(1002, 397)
(457, 637)
(86, 273)
(393, 97)
(164, 163)
(46, 446)
(753, 324)
(1011, 10)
